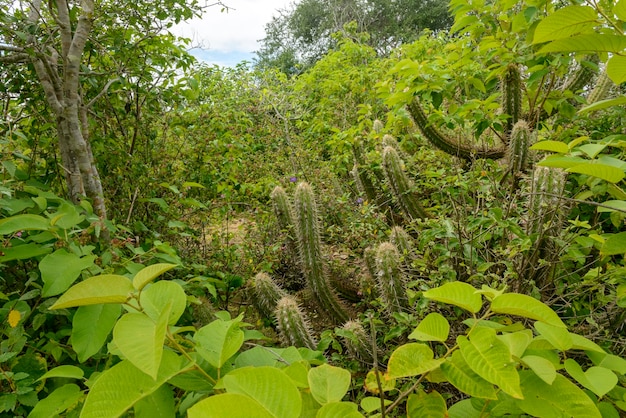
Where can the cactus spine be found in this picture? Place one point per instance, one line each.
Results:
(512, 96)
(282, 208)
(601, 89)
(518, 147)
(266, 294)
(448, 145)
(292, 324)
(357, 341)
(389, 279)
(309, 244)
(401, 185)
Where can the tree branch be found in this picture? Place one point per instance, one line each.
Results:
(103, 91)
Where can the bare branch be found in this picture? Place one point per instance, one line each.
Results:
(11, 48)
(14, 58)
(104, 90)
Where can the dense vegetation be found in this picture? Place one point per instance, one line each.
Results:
(435, 230)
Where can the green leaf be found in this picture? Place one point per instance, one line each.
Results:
(542, 367)
(372, 403)
(592, 43)
(60, 270)
(464, 409)
(116, 390)
(615, 244)
(159, 404)
(328, 383)
(517, 341)
(490, 359)
(552, 146)
(561, 161)
(620, 10)
(565, 22)
(557, 336)
(616, 69)
(24, 251)
(458, 294)
(339, 409)
(423, 405)
(106, 288)
(147, 274)
(597, 379)
(462, 377)
(219, 341)
(592, 150)
(602, 171)
(24, 222)
(91, 327)
(603, 104)
(608, 361)
(613, 206)
(58, 401)
(432, 328)
(161, 295)
(268, 386)
(228, 405)
(560, 399)
(66, 216)
(525, 306)
(67, 371)
(411, 360)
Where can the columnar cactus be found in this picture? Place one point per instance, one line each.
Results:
(309, 244)
(292, 324)
(601, 89)
(282, 208)
(357, 341)
(519, 143)
(401, 185)
(265, 294)
(512, 96)
(389, 278)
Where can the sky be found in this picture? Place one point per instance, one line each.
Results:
(227, 38)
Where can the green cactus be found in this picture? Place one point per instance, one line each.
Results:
(389, 278)
(390, 141)
(309, 244)
(602, 88)
(282, 208)
(357, 341)
(521, 139)
(265, 294)
(377, 126)
(512, 96)
(582, 76)
(401, 185)
(292, 324)
(449, 145)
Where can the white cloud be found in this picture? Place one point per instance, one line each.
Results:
(235, 32)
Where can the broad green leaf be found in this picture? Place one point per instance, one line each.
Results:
(490, 359)
(561, 161)
(106, 288)
(219, 341)
(159, 404)
(268, 386)
(58, 401)
(147, 274)
(620, 10)
(328, 383)
(60, 270)
(411, 360)
(228, 405)
(299, 373)
(24, 222)
(525, 306)
(24, 251)
(565, 22)
(552, 146)
(560, 399)
(161, 295)
(593, 43)
(603, 104)
(592, 150)
(116, 390)
(458, 294)
(66, 216)
(615, 244)
(371, 383)
(425, 405)
(612, 206)
(67, 371)
(339, 409)
(91, 326)
(517, 341)
(372, 403)
(141, 339)
(558, 336)
(542, 367)
(582, 343)
(464, 409)
(616, 69)
(462, 377)
(602, 171)
(432, 328)
(608, 361)
(597, 379)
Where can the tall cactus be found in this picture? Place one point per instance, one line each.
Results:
(389, 278)
(282, 208)
(309, 244)
(519, 143)
(357, 341)
(292, 324)
(512, 96)
(401, 185)
(265, 294)
(292, 279)
(601, 89)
